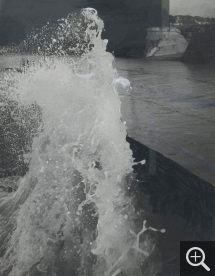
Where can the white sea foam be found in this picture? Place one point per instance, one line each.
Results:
(71, 214)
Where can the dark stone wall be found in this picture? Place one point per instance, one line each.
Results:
(125, 21)
(158, 13)
(155, 14)
(125, 25)
(165, 13)
(201, 47)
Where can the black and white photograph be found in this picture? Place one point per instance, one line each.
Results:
(107, 137)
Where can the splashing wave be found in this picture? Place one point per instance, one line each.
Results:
(71, 214)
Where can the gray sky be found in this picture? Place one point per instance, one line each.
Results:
(204, 8)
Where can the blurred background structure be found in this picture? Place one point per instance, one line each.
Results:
(125, 21)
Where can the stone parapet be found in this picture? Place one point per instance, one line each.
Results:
(165, 41)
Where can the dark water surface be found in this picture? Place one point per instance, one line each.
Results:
(171, 108)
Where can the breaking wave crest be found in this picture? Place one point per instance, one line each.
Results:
(71, 214)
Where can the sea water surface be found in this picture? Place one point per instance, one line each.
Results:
(171, 108)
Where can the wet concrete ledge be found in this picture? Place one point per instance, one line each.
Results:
(175, 192)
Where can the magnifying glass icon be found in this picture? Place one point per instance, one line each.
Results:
(197, 257)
